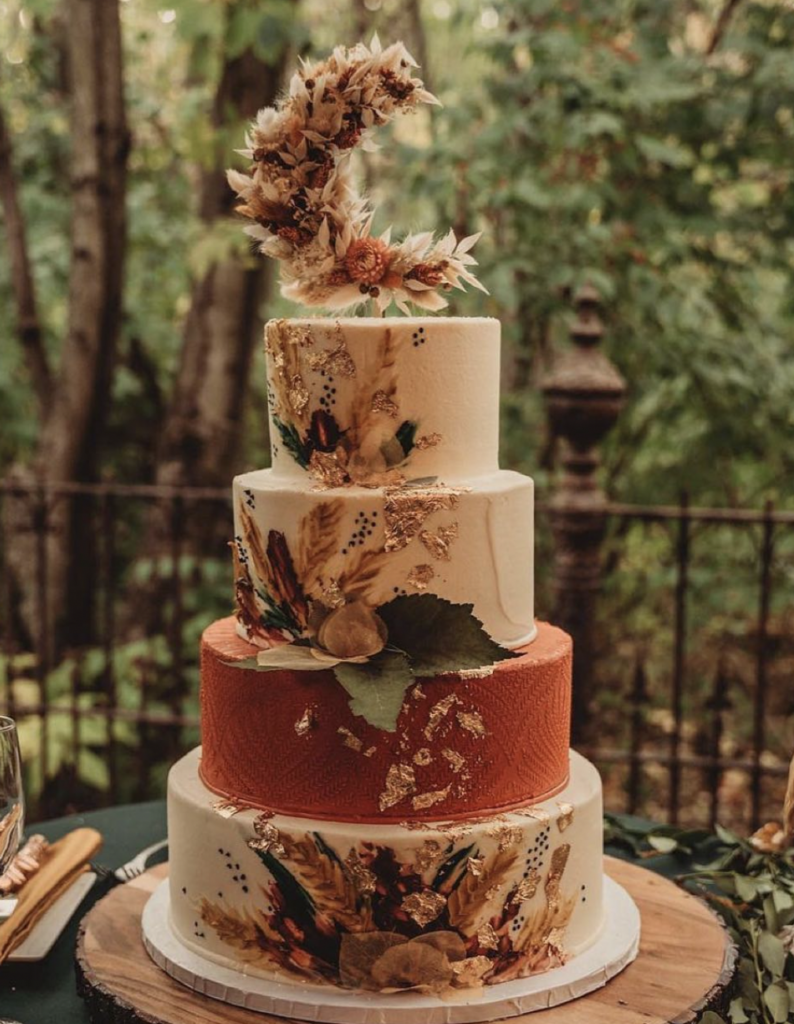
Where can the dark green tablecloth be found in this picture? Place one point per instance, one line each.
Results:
(44, 992)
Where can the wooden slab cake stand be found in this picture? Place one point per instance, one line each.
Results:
(685, 965)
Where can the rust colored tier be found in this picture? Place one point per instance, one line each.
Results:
(471, 746)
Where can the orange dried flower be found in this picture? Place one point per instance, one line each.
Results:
(428, 273)
(367, 260)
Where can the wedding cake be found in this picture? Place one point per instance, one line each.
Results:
(384, 799)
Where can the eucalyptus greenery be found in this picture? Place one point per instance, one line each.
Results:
(752, 891)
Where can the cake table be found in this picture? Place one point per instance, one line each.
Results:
(685, 964)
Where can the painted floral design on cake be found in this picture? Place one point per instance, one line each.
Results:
(311, 608)
(369, 443)
(452, 917)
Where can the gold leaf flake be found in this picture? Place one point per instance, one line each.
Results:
(268, 838)
(427, 441)
(428, 854)
(370, 751)
(382, 403)
(453, 830)
(494, 890)
(555, 939)
(400, 783)
(228, 807)
(472, 722)
(328, 468)
(506, 835)
(477, 673)
(297, 394)
(559, 860)
(424, 907)
(417, 693)
(423, 757)
(438, 543)
(527, 887)
(474, 865)
(425, 800)
(420, 576)
(364, 880)
(306, 722)
(457, 761)
(534, 812)
(487, 937)
(332, 594)
(406, 509)
(566, 816)
(438, 712)
(335, 361)
(350, 739)
(471, 971)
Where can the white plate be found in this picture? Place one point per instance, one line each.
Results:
(41, 940)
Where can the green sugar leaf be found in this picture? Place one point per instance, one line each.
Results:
(439, 636)
(377, 687)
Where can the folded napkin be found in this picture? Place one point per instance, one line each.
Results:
(65, 860)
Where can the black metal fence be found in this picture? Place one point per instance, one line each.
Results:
(693, 705)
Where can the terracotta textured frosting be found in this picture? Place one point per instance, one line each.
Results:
(497, 742)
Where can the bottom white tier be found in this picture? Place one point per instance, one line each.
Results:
(433, 907)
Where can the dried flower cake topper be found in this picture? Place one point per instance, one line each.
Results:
(302, 197)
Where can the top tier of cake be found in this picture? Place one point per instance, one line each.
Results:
(372, 401)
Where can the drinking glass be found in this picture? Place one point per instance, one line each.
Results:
(12, 805)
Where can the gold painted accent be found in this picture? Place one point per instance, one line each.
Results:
(566, 816)
(350, 739)
(424, 906)
(487, 937)
(268, 838)
(329, 468)
(472, 722)
(424, 800)
(427, 441)
(456, 761)
(227, 807)
(527, 887)
(335, 361)
(400, 783)
(474, 866)
(428, 855)
(306, 722)
(438, 543)
(381, 402)
(420, 576)
(438, 712)
(364, 880)
(407, 508)
(559, 859)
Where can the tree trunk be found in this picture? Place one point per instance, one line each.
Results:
(28, 325)
(202, 426)
(70, 438)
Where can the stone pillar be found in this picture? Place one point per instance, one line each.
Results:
(584, 395)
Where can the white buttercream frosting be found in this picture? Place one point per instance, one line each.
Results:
(216, 878)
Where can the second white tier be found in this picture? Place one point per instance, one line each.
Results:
(467, 544)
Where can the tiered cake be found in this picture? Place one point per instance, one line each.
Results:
(382, 822)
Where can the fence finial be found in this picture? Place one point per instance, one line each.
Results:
(584, 395)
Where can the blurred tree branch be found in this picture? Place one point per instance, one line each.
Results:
(723, 24)
(28, 324)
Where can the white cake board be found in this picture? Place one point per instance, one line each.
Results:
(615, 949)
